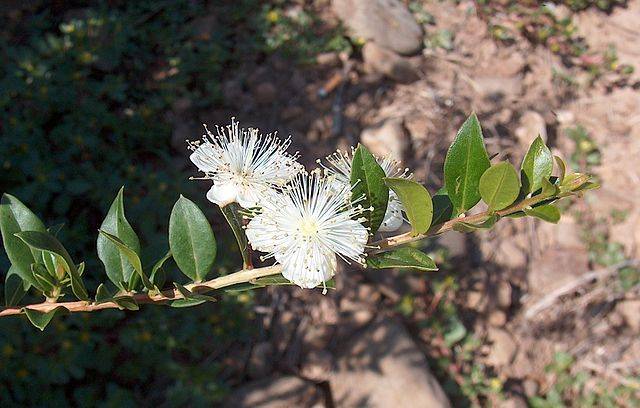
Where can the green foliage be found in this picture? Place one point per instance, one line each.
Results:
(546, 212)
(369, 189)
(464, 164)
(416, 201)
(536, 166)
(499, 186)
(119, 269)
(191, 240)
(406, 257)
(42, 319)
(131, 256)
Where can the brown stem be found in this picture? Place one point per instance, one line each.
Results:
(242, 276)
(247, 275)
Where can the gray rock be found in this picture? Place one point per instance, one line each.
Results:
(503, 348)
(531, 125)
(386, 62)
(630, 311)
(386, 139)
(387, 22)
(277, 392)
(383, 367)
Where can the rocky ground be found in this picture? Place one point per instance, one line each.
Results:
(524, 291)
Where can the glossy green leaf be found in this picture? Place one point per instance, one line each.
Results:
(537, 165)
(16, 217)
(406, 257)
(44, 281)
(367, 181)
(158, 276)
(102, 294)
(126, 302)
(44, 241)
(117, 265)
(442, 207)
(499, 186)
(563, 168)
(191, 240)
(549, 189)
(14, 287)
(470, 227)
(131, 256)
(187, 294)
(547, 213)
(466, 161)
(416, 202)
(41, 319)
(187, 302)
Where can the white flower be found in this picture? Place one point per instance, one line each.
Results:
(245, 166)
(307, 226)
(340, 166)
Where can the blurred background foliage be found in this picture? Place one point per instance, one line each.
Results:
(86, 95)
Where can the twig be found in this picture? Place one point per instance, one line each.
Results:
(549, 299)
(611, 374)
(165, 296)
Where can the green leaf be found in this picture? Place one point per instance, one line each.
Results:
(406, 257)
(367, 181)
(470, 227)
(102, 294)
(16, 217)
(44, 241)
(14, 287)
(549, 189)
(546, 212)
(131, 256)
(442, 207)
(41, 319)
(117, 265)
(191, 239)
(563, 168)
(464, 164)
(499, 186)
(187, 294)
(537, 165)
(416, 202)
(158, 275)
(187, 302)
(44, 281)
(126, 302)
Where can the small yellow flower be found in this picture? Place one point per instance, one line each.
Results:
(273, 16)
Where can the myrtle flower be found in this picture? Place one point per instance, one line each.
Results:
(245, 166)
(307, 226)
(340, 166)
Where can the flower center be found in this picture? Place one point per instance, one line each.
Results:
(308, 228)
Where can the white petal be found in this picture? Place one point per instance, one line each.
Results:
(261, 234)
(222, 193)
(308, 267)
(254, 196)
(392, 217)
(204, 157)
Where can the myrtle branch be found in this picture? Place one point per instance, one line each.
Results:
(250, 275)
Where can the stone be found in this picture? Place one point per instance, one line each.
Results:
(276, 392)
(261, 360)
(380, 60)
(530, 126)
(531, 387)
(557, 266)
(513, 402)
(509, 255)
(387, 22)
(386, 139)
(383, 367)
(630, 311)
(503, 348)
(497, 318)
(328, 59)
(504, 293)
(455, 243)
(499, 88)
